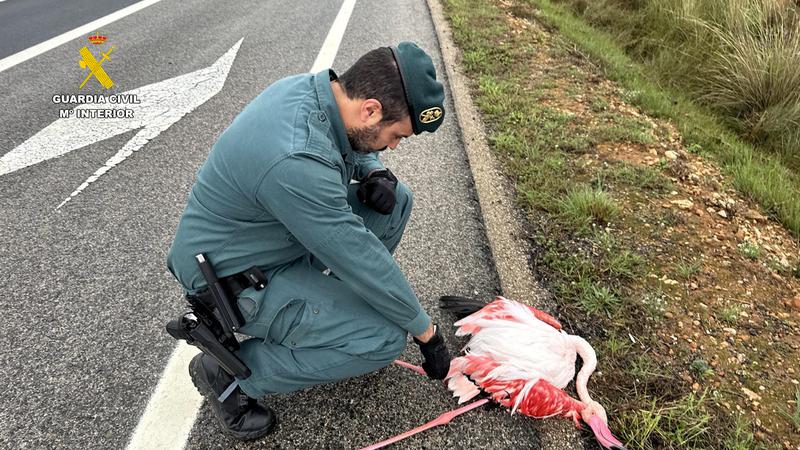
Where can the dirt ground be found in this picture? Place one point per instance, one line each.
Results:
(728, 271)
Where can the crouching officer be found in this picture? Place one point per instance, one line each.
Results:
(275, 193)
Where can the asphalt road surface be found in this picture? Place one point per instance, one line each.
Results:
(85, 289)
(29, 22)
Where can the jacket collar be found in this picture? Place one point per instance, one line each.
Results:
(327, 103)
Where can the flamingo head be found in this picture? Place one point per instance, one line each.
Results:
(595, 416)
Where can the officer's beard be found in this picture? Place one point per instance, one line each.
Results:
(361, 138)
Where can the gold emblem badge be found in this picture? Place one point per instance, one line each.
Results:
(88, 61)
(430, 115)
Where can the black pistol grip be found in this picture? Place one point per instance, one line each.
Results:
(205, 340)
(176, 330)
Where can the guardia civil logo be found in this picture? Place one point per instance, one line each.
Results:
(94, 69)
(430, 115)
(88, 61)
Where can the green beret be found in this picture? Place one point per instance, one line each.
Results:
(424, 95)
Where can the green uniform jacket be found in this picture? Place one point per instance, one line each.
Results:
(274, 188)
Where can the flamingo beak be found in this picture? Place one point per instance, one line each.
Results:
(603, 434)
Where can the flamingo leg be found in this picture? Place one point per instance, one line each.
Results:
(546, 318)
(417, 369)
(441, 420)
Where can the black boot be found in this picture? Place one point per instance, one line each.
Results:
(243, 417)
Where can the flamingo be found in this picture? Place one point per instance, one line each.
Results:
(522, 358)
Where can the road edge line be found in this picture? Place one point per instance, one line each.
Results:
(507, 240)
(42, 47)
(172, 408)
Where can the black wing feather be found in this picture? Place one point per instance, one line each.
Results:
(461, 306)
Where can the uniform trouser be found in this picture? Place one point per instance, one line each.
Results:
(309, 328)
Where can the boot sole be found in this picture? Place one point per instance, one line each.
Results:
(204, 388)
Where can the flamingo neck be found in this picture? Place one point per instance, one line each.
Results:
(587, 354)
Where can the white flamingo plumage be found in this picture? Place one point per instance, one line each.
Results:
(523, 359)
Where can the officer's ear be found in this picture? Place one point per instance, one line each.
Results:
(371, 112)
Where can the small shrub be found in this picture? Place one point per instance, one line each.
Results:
(730, 315)
(585, 205)
(655, 302)
(624, 264)
(688, 269)
(753, 73)
(700, 369)
(775, 264)
(596, 299)
(749, 250)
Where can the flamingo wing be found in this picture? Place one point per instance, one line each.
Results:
(535, 397)
(545, 400)
(503, 309)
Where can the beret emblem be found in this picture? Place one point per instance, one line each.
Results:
(430, 115)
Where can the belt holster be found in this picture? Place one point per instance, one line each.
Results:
(214, 316)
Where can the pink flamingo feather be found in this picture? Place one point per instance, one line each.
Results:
(523, 359)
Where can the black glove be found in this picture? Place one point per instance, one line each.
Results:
(437, 358)
(378, 191)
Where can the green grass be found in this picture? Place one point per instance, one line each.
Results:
(700, 369)
(776, 265)
(619, 128)
(590, 260)
(584, 206)
(621, 133)
(757, 174)
(687, 270)
(616, 347)
(749, 250)
(623, 265)
(794, 417)
(654, 302)
(596, 299)
(740, 58)
(684, 423)
(730, 315)
(642, 178)
(741, 436)
(598, 104)
(579, 280)
(643, 368)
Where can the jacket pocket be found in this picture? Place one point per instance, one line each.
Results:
(294, 325)
(249, 304)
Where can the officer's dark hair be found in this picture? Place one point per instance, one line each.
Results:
(375, 75)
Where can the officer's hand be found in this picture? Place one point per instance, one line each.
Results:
(378, 191)
(437, 358)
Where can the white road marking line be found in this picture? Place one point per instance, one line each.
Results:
(331, 45)
(161, 104)
(172, 409)
(166, 423)
(38, 49)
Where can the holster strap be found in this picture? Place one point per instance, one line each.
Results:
(236, 283)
